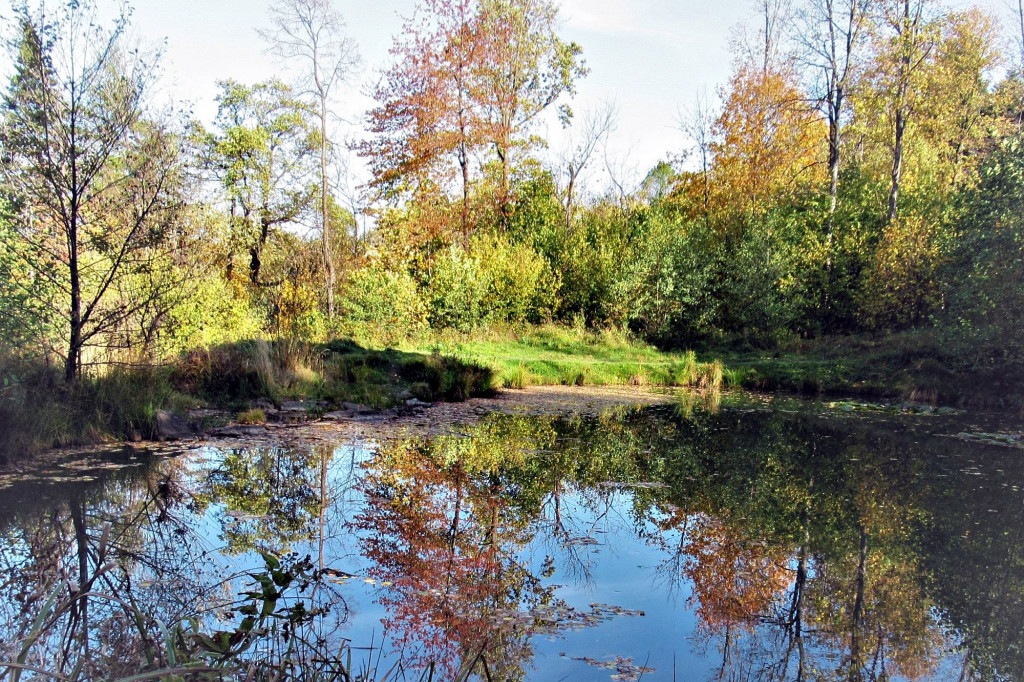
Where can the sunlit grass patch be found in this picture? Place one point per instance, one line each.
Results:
(556, 355)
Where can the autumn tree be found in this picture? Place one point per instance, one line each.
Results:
(429, 125)
(312, 33)
(94, 179)
(955, 108)
(526, 68)
(948, 101)
(765, 143)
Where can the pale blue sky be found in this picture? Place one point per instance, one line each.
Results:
(649, 57)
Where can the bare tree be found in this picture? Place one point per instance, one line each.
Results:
(765, 47)
(1020, 21)
(595, 127)
(831, 32)
(312, 32)
(698, 124)
(93, 181)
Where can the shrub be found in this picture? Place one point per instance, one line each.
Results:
(455, 289)
(520, 285)
(379, 303)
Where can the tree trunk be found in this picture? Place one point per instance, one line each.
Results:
(325, 231)
(81, 607)
(833, 159)
(568, 200)
(503, 190)
(907, 31)
(897, 164)
(73, 365)
(464, 165)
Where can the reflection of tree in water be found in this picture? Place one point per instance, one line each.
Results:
(799, 546)
(274, 496)
(807, 549)
(103, 566)
(447, 523)
(444, 536)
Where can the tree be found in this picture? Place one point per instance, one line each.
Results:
(263, 154)
(94, 181)
(698, 124)
(909, 47)
(832, 32)
(764, 145)
(313, 32)
(526, 68)
(597, 125)
(429, 116)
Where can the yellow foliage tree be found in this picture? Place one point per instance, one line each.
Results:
(766, 148)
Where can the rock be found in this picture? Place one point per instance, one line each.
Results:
(293, 406)
(413, 402)
(404, 395)
(170, 426)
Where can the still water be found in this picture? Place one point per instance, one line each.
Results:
(662, 543)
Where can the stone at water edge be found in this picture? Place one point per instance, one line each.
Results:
(170, 426)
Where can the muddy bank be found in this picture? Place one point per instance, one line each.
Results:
(419, 419)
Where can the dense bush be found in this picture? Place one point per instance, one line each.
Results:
(379, 302)
(454, 289)
(986, 271)
(520, 285)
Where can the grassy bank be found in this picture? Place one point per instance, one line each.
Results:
(918, 366)
(39, 411)
(552, 355)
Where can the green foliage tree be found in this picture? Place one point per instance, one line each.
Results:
(263, 152)
(526, 68)
(987, 267)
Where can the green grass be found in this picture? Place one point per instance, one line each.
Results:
(552, 355)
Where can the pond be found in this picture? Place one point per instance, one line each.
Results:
(662, 542)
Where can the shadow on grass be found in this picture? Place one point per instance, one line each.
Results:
(39, 411)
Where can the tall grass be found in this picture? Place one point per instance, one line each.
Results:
(39, 410)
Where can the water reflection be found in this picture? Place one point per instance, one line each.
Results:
(739, 545)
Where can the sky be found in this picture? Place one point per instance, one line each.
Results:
(650, 58)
